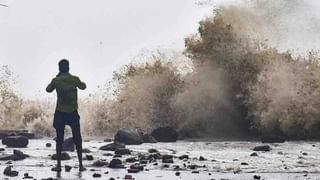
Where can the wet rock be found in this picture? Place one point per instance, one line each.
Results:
(128, 137)
(68, 145)
(128, 177)
(253, 154)
(202, 158)
(112, 178)
(153, 151)
(15, 141)
(133, 171)
(147, 138)
(16, 156)
(177, 173)
(117, 156)
(184, 157)
(256, 177)
(96, 175)
(9, 172)
(26, 176)
(116, 164)
(131, 160)
(167, 159)
(262, 148)
(67, 168)
(99, 163)
(112, 147)
(48, 145)
(122, 151)
(89, 157)
(244, 164)
(86, 150)
(165, 134)
(305, 154)
(64, 156)
(195, 172)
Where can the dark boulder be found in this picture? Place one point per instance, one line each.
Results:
(15, 141)
(272, 139)
(68, 145)
(9, 172)
(116, 164)
(147, 138)
(112, 147)
(128, 137)
(165, 134)
(262, 148)
(99, 163)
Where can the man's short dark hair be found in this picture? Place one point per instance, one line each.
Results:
(64, 66)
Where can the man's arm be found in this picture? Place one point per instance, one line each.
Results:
(50, 88)
(81, 85)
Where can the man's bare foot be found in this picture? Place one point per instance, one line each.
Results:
(57, 169)
(81, 168)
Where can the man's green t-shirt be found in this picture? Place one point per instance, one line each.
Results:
(66, 86)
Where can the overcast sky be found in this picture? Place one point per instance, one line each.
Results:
(99, 36)
(96, 36)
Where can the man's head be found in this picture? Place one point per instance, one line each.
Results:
(64, 66)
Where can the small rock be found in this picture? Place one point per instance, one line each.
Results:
(153, 151)
(89, 157)
(256, 177)
(131, 160)
(177, 173)
(26, 176)
(15, 141)
(122, 151)
(253, 154)
(99, 163)
(86, 150)
(116, 164)
(244, 164)
(262, 148)
(195, 172)
(184, 157)
(67, 168)
(202, 158)
(112, 147)
(128, 137)
(48, 145)
(96, 175)
(129, 177)
(305, 154)
(9, 172)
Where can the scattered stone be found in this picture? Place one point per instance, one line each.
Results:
(64, 156)
(167, 159)
(184, 157)
(122, 151)
(143, 161)
(202, 158)
(96, 175)
(28, 135)
(177, 173)
(195, 172)
(68, 145)
(116, 164)
(9, 172)
(147, 138)
(26, 176)
(48, 145)
(153, 151)
(16, 156)
(129, 177)
(280, 153)
(166, 166)
(99, 163)
(89, 157)
(165, 134)
(112, 147)
(137, 166)
(131, 160)
(67, 168)
(262, 148)
(244, 164)
(254, 154)
(305, 154)
(117, 156)
(112, 178)
(128, 137)
(256, 177)
(15, 141)
(86, 150)
(2, 149)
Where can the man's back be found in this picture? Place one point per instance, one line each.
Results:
(66, 86)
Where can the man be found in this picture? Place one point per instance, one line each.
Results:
(66, 113)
